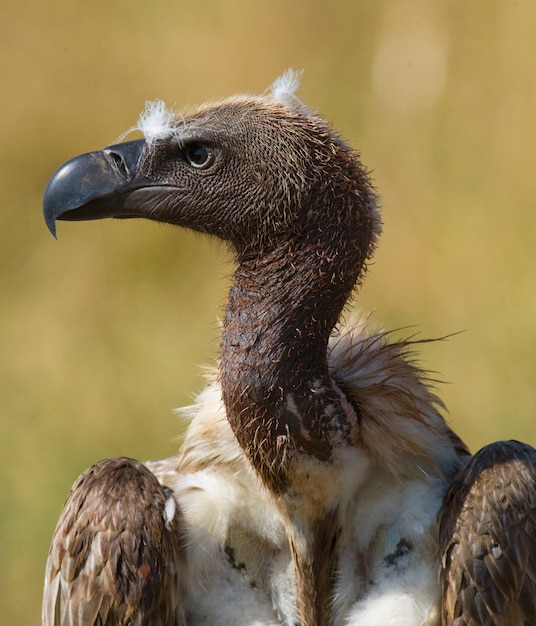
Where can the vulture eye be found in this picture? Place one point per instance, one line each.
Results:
(198, 155)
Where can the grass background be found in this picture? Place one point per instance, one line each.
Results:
(102, 331)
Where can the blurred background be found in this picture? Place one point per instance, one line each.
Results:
(103, 331)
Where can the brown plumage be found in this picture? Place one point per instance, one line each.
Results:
(117, 551)
(488, 539)
(312, 473)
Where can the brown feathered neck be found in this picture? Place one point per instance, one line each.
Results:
(286, 298)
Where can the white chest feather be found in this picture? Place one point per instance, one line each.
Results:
(241, 571)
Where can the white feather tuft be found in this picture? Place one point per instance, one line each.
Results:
(170, 509)
(156, 121)
(284, 88)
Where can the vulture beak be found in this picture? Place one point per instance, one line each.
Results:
(94, 185)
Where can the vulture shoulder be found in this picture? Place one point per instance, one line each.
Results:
(487, 535)
(117, 552)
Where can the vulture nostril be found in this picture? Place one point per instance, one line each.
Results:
(118, 163)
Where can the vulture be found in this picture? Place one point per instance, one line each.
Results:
(318, 483)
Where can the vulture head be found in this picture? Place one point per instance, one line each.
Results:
(256, 171)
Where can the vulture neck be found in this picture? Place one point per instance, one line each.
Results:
(277, 390)
(281, 402)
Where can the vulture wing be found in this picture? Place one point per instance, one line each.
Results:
(116, 552)
(487, 536)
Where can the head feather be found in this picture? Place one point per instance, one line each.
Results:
(284, 88)
(156, 121)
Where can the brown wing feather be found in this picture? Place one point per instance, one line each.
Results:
(115, 555)
(488, 539)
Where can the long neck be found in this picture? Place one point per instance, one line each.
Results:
(277, 390)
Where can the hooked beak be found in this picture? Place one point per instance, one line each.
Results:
(95, 185)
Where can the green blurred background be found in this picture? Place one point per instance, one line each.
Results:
(103, 331)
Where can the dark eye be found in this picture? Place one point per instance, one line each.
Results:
(198, 155)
